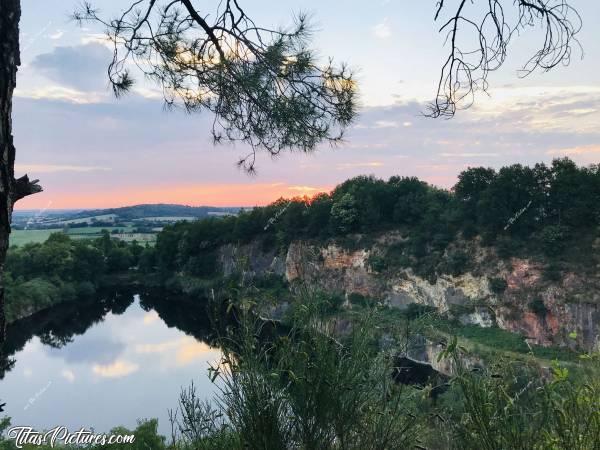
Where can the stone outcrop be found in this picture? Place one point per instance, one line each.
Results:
(567, 311)
(250, 259)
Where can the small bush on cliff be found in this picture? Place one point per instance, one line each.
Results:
(507, 246)
(416, 310)
(456, 262)
(396, 255)
(538, 307)
(377, 263)
(498, 285)
(554, 239)
(358, 299)
(552, 272)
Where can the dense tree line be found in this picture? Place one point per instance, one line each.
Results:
(536, 208)
(63, 269)
(543, 206)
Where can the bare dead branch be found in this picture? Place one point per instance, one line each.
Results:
(466, 69)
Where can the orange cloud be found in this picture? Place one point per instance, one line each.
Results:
(583, 150)
(117, 369)
(191, 350)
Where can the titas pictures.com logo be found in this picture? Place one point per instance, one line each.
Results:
(28, 436)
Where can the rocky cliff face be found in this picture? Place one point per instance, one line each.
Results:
(567, 311)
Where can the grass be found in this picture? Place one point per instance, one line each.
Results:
(22, 237)
(89, 219)
(168, 218)
(494, 341)
(96, 230)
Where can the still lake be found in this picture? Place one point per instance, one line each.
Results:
(106, 363)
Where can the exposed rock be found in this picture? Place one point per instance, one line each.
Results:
(480, 317)
(250, 259)
(572, 315)
(332, 268)
(447, 290)
(423, 350)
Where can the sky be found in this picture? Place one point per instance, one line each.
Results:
(91, 150)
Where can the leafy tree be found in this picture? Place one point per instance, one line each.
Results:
(264, 86)
(147, 260)
(344, 214)
(567, 205)
(119, 259)
(507, 203)
(319, 212)
(470, 188)
(553, 238)
(410, 198)
(88, 262)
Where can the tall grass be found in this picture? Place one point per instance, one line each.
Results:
(509, 405)
(305, 390)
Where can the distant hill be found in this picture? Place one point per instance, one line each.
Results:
(157, 210)
(156, 213)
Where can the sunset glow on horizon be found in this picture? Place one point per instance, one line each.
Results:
(90, 150)
(219, 195)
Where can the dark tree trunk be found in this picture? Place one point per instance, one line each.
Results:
(11, 190)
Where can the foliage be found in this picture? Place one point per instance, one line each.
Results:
(265, 87)
(552, 272)
(456, 263)
(516, 209)
(39, 275)
(358, 299)
(509, 405)
(538, 307)
(344, 214)
(553, 238)
(497, 285)
(304, 389)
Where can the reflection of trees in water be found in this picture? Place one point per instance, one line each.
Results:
(57, 326)
(197, 317)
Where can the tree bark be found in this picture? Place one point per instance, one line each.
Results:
(11, 190)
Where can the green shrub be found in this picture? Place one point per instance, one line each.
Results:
(396, 255)
(469, 230)
(538, 307)
(358, 299)
(498, 285)
(553, 239)
(506, 246)
(456, 262)
(309, 391)
(416, 310)
(508, 406)
(552, 272)
(377, 263)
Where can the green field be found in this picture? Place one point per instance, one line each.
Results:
(168, 219)
(95, 230)
(22, 237)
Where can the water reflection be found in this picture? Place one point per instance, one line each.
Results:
(107, 362)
